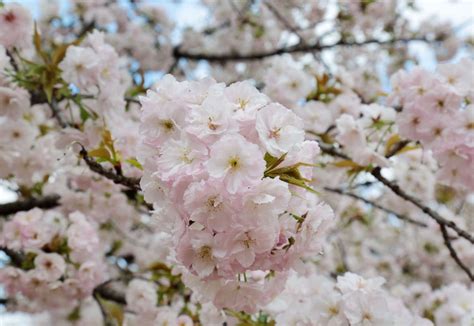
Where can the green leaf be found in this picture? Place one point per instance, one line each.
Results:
(346, 164)
(297, 182)
(84, 114)
(113, 310)
(29, 262)
(273, 162)
(75, 314)
(393, 140)
(101, 153)
(133, 162)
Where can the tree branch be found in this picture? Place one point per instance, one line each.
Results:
(132, 183)
(109, 293)
(331, 150)
(399, 216)
(453, 253)
(428, 211)
(49, 201)
(376, 172)
(178, 53)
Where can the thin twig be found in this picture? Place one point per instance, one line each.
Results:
(376, 172)
(428, 211)
(285, 22)
(107, 292)
(399, 216)
(453, 253)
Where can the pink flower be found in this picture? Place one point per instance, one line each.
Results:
(246, 101)
(208, 203)
(236, 161)
(141, 296)
(184, 156)
(16, 25)
(49, 267)
(198, 249)
(244, 244)
(161, 119)
(279, 129)
(13, 102)
(211, 119)
(81, 247)
(79, 66)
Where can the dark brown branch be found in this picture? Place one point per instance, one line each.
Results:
(106, 291)
(132, 183)
(55, 109)
(453, 253)
(399, 216)
(398, 147)
(12, 60)
(331, 150)
(299, 48)
(49, 201)
(328, 149)
(428, 211)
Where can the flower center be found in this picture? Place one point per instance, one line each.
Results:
(185, 158)
(234, 162)
(213, 203)
(167, 124)
(243, 103)
(10, 17)
(205, 252)
(211, 125)
(275, 133)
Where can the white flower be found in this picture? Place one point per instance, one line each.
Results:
(279, 129)
(49, 267)
(246, 100)
(80, 66)
(239, 162)
(16, 26)
(13, 102)
(211, 119)
(183, 156)
(141, 296)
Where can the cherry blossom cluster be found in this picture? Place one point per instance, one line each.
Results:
(448, 305)
(57, 262)
(352, 300)
(437, 111)
(221, 157)
(95, 69)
